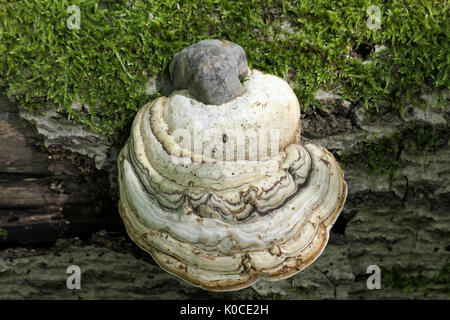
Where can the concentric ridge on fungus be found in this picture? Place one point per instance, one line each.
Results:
(224, 220)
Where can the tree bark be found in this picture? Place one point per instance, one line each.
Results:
(46, 194)
(399, 222)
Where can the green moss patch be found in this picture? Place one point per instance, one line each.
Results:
(396, 280)
(381, 155)
(3, 234)
(315, 43)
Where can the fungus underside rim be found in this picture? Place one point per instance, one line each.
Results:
(322, 231)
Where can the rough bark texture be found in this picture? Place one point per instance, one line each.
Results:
(399, 221)
(48, 193)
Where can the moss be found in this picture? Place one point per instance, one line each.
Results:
(251, 295)
(107, 62)
(3, 233)
(394, 279)
(275, 296)
(303, 292)
(381, 155)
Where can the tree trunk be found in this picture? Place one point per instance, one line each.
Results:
(47, 194)
(398, 221)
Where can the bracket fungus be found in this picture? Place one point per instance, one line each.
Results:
(214, 182)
